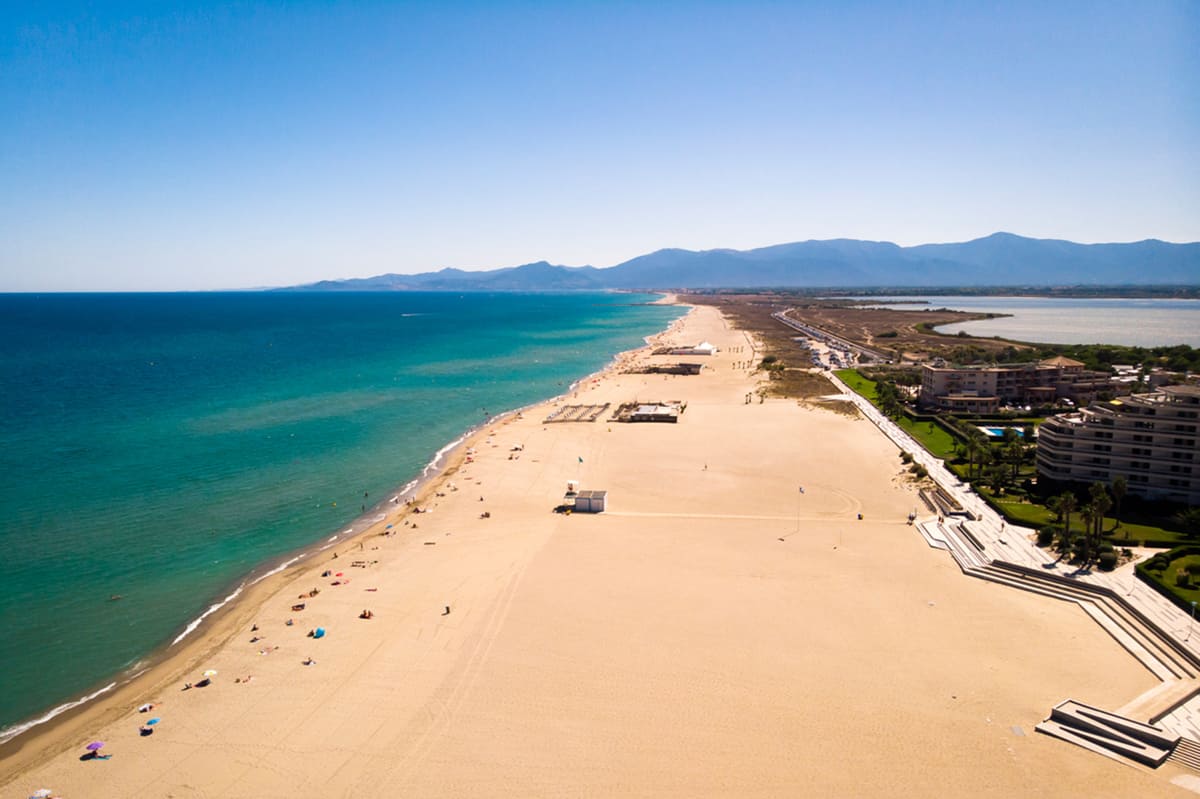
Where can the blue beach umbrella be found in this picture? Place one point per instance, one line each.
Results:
(152, 722)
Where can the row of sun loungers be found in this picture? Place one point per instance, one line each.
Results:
(577, 413)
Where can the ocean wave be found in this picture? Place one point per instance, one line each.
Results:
(8, 733)
(276, 570)
(211, 610)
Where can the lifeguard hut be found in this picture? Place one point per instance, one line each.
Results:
(592, 501)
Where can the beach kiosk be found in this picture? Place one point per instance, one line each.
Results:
(591, 501)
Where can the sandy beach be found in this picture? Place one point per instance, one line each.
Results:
(716, 632)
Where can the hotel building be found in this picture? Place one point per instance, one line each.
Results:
(1149, 439)
(983, 389)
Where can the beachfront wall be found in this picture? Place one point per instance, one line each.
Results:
(1151, 440)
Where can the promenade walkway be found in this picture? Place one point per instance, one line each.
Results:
(1154, 630)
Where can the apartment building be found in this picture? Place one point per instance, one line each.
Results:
(1149, 439)
(983, 389)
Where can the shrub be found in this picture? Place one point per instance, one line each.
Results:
(919, 471)
(1107, 561)
(1183, 579)
(1046, 535)
(906, 457)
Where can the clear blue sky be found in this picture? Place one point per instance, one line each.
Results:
(183, 145)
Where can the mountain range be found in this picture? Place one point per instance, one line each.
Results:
(1002, 259)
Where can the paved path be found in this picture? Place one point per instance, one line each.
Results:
(1012, 544)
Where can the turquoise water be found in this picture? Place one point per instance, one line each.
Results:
(160, 447)
(998, 432)
(1138, 322)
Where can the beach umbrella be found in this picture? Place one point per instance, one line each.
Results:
(210, 673)
(152, 722)
(95, 746)
(41, 793)
(389, 527)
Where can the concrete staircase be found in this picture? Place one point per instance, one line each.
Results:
(1153, 647)
(1186, 753)
(1117, 735)
(1109, 734)
(1139, 635)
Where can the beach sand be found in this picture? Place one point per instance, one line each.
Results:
(672, 646)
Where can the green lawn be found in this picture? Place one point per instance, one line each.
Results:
(858, 383)
(930, 435)
(1183, 595)
(1037, 516)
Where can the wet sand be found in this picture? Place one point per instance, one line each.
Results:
(672, 646)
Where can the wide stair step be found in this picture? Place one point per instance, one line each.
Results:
(1187, 753)
(1160, 644)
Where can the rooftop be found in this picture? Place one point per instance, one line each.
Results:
(1060, 360)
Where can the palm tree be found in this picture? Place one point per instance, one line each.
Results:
(1054, 505)
(976, 444)
(996, 477)
(1119, 487)
(1099, 505)
(1067, 504)
(1065, 540)
(1089, 514)
(1014, 453)
(1101, 502)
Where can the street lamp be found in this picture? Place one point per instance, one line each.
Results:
(1193, 624)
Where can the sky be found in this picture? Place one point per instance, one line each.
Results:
(169, 145)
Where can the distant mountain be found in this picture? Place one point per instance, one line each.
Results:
(1002, 259)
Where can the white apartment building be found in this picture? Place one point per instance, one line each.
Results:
(1149, 439)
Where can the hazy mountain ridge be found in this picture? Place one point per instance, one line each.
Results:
(999, 259)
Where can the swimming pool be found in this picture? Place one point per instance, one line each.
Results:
(998, 432)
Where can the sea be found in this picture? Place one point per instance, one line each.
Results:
(161, 451)
(1149, 322)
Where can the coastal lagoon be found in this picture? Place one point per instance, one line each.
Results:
(160, 448)
(1055, 320)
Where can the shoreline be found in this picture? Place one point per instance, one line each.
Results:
(711, 633)
(212, 624)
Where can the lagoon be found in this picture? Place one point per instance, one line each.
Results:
(1140, 322)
